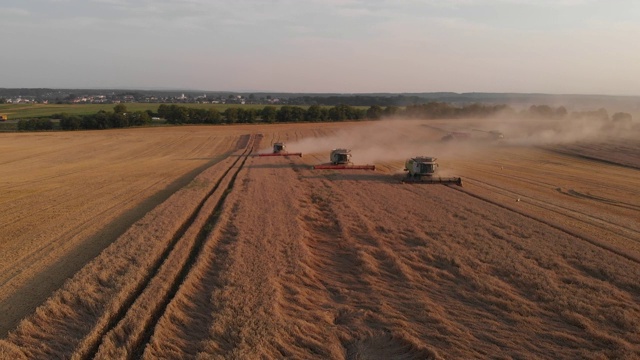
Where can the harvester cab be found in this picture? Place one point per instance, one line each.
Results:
(424, 169)
(421, 166)
(278, 147)
(340, 156)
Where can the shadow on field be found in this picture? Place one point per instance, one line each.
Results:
(38, 289)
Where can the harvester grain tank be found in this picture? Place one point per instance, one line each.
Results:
(279, 150)
(341, 160)
(424, 169)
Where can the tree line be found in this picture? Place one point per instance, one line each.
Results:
(176, 114)
(118, 118)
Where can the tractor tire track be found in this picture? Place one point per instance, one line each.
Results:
(576, 234)
(618, 229)
(93, 302)
(130, 330)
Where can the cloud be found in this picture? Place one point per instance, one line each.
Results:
(12, 11)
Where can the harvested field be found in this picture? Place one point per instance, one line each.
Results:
(180, 243)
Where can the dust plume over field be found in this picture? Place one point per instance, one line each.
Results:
(381, 141)
(563, 131)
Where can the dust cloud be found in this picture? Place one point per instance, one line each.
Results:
(398, 139)
(380, 141)
(541, 132)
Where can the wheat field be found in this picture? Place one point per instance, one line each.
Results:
(180, 242)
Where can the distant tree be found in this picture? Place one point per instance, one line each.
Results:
(70, 122)
(345, 112)
(324, 114)
(120, 109)
(297, 114)
(118, 120)
(197, 116)
(241, 115)
(35, 124)
(285, 114)
(250, 115)
(231, 115)
(139, 118)
(374, 112)
(391, 110)
(174, 114)
(102, 120)
(560, 112)
(213, 116)
(3, 101)
(622, 117)
(163, 111)
(269, 114)
(313, 113)
(89, 122)
(541, 111)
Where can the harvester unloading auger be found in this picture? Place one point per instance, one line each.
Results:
(279, 150)
(341, 160)
(424, 169)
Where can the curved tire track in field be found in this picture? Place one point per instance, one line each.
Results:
(581, 195)
(577, 235)
(603, 224)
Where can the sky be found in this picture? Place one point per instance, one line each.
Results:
(324, 46)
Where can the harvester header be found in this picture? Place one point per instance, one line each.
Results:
(341, 160)
(424, 169)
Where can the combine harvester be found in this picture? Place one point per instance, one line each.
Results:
(494, 135)
(341, 160)
(279, 150)
(423, 170)
(456, 135)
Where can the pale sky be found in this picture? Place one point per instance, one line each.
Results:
(344, 46)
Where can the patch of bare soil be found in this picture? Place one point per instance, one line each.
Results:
(536, 256)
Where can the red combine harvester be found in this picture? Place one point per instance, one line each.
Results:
(279, 150)
(341, 160)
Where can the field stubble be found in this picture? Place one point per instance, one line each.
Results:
(309, 264)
